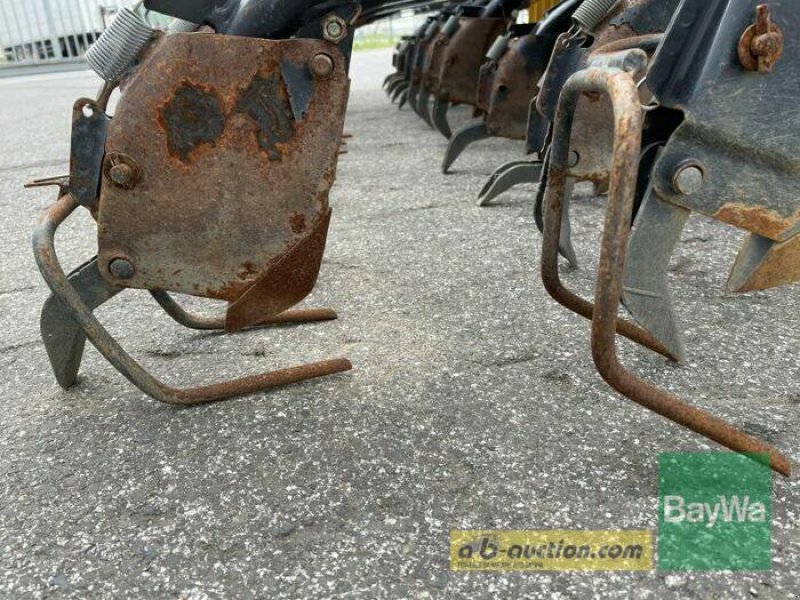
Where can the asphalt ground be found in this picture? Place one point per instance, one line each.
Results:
(473, 404)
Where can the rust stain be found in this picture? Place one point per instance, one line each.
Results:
(266, 102)
(757, 219)
(298, 223)
(779, 266)
(193, 117)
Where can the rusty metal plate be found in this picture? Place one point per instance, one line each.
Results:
(513, 87)
(458, 79)
(434, 54)
(232, 147)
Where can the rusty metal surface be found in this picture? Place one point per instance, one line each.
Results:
(763, 263)
(217, 323)
(463, 57)
(622, 91)
(761, 44)
(286, 282)
(513, 87)
(434, 54)
(236, 142)
(737, 125)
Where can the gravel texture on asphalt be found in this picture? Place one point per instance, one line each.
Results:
(474, 402)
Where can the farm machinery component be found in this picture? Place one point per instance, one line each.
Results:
(508, 86)
(459, 77)
(691, 132)
(211, 180)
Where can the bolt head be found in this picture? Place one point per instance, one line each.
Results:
(121, 174)
(335, 30)
(574, 159)
(322, 66)
(121, 268)
(688, 179)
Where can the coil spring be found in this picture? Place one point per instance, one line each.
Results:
(119, 45)
(591, 13)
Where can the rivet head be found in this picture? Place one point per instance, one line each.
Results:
(335, 29)
(688, 179)
(322, 66)
(121, 268)
(574, 159)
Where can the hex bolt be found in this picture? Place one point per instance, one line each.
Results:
(335, 29)
(322, 66)
(688, 179)
(121, 174)
(121, 268)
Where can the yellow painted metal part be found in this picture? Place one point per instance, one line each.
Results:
(537, 8)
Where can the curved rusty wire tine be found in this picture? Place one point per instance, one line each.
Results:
(554, 208)
(47, 260)
(621, 88)
(191, 321)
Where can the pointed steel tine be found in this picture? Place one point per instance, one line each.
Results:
(418, 100)
(61, 181)
(496, 174)
(507, 176)
(64, 339)
(469, 134)
(565, 247)
(413, 91)
(439, 118)
(424, 104)
(646, 294)
(394, 85)
(390, 78)
(403, 100)
(763, 263)
(398, 91)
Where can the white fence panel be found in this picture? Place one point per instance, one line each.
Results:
(40, 31)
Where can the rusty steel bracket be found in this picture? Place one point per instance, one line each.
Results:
(621, 88)
(734, 156)
(208, 144)
(208, 181)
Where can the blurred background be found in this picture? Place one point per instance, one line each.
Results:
(46, 32)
